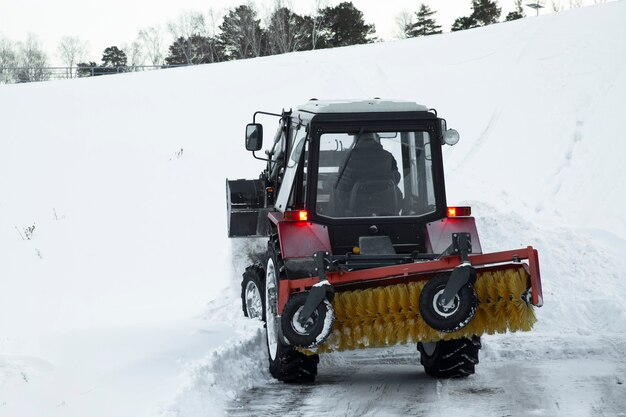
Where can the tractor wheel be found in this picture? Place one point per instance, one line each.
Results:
(447, 319)
(253, 292)
(315, 330)
(286, 363)
(450, 358)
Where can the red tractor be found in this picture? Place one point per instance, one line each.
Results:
(363, 250)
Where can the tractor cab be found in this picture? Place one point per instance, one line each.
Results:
(369, 168)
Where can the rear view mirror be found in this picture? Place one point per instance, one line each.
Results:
(254, 137)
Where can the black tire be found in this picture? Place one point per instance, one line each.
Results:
(315, 332)
(293, 367)
(287, 364)
(254, 275)
(439, 318)
(450, 358)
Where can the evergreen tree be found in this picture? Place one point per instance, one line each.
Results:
(343, 25)
(425, 25)
(241, 34)
(463, 23)
(114, 57)
(518, 13)
(486, 12)
(85, 69)
(196, 49)
(288, 32)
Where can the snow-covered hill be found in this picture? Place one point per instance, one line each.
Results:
(124, 299)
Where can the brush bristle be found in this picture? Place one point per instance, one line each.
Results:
(389, 315)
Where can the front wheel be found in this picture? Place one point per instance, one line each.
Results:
(285, 363)
(453, 316)
(450, 358)
(312, 332)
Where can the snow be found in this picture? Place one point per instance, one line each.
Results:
(359, 106)
(125, 299)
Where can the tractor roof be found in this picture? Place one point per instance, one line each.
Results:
(360, 106)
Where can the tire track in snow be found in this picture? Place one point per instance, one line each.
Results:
(390, 382)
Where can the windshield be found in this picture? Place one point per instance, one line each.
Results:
(375, 173)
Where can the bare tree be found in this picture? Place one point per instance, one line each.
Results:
(212, 25)
(556, 5)
(8, 61)
(316, 17)
(574, 4)
(71, 50)
(134, 53)
(188, 24)
(32, 61)
(151, 42)
(404, 20)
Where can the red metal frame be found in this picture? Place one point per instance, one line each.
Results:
(422, 270)
(300, 239)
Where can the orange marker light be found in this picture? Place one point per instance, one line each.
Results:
(296, 216)
(459, 211)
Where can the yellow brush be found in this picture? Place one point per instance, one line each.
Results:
(389, 315)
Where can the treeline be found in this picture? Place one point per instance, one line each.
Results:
(241, 35)
(238, 34)
(22, 62)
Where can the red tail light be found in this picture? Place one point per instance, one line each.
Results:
(459, 211)
(296, 216)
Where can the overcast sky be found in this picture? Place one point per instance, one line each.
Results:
(104, 23)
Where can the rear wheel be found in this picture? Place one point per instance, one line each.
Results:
(286, 363)
(450, 358)
(253, 292)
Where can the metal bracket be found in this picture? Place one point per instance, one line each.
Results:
(320, 291)
(315, 298)
(462, 274)
(323, 264)
(461, 246)
(460, 277)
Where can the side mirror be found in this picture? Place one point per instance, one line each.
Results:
(444, 125)
(254, 137)
(451, 137)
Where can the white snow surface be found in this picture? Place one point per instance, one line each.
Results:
(125, 299)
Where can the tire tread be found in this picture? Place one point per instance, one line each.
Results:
(451, 358)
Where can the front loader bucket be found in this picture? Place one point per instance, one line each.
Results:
(245, 202)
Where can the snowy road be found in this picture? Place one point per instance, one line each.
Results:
(576, 377)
